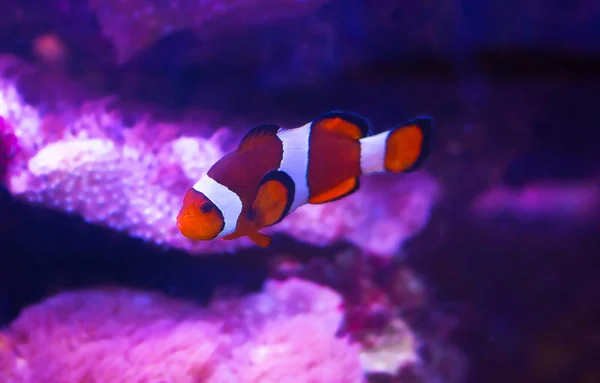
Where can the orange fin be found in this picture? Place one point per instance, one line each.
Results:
(259, 135)
(234, 235)
(346, 124)
(273, 199)
(260, 239)
(408, 146)
(340, 191)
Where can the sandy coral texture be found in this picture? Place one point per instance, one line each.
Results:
(284, 334)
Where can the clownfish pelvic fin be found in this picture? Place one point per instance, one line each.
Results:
(260, 239)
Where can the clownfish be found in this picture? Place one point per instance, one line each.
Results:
(276, 170)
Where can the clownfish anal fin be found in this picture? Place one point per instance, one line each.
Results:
(339, 191)
(346, 124)
(259, 135)
(273, 199)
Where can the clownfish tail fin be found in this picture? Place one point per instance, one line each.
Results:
(402, 149)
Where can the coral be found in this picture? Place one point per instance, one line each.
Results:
(89, 162)
(133, 25)
(14, 111)
(392, 351)
(8, 147)
(285, 334)
(404, 337)
(574, 201)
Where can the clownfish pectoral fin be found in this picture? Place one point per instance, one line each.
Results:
(273, 199)
(402, 149)
(342, 190)
(346, 124)
(259, 135)
(260, 239)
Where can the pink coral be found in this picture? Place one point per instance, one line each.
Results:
(285, 334)
(374, 297)
(574, 201)
(133, 25)
(87, 162)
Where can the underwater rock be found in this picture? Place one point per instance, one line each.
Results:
(89, 162)
(133, 25)
(286, 333)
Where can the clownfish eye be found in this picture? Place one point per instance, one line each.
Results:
(206, 207)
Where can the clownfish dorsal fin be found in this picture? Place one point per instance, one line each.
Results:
(273, 199)
(339, 191)
(259, 135)
(346, 124)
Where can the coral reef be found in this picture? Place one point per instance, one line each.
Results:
(388, 311)
(89, 162)
(285, 334)
(88, 159)
(382, 302)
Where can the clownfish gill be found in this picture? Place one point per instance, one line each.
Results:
(275, 170)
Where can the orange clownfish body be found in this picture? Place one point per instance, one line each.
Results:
(275, 170)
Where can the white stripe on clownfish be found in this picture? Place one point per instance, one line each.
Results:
(372, 153)
(295, 160)
(224, 199)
